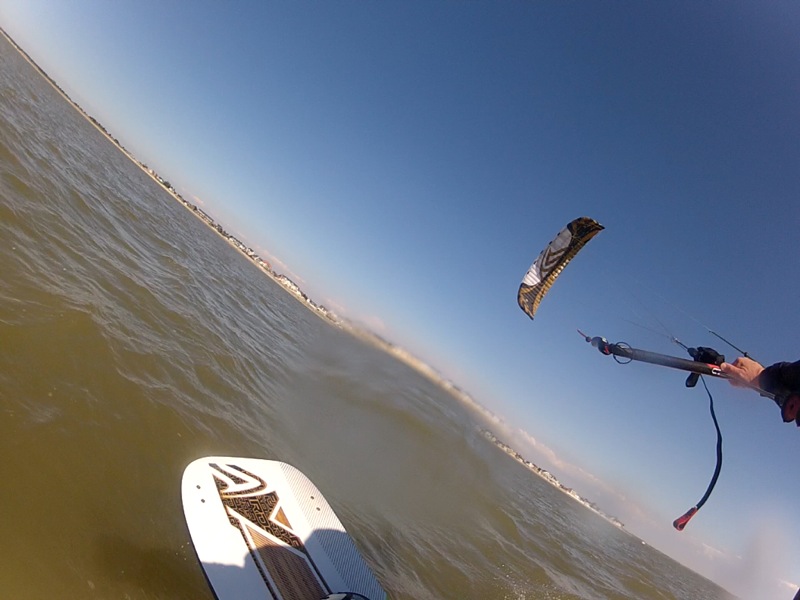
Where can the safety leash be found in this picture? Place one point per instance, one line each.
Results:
(681, 522)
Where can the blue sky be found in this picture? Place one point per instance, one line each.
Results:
(406, 161)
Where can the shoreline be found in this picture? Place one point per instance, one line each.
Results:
(365, 335)
(551, 479)
(293, 289)
(101, 128)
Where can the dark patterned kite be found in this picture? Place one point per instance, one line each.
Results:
(549, 264)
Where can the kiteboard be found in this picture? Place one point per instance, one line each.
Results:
(261, 529)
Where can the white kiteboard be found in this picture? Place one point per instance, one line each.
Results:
(261, 529)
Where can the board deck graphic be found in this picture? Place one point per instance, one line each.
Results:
(261, 529)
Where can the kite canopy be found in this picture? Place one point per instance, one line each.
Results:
(552, 260)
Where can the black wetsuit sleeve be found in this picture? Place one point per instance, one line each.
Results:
(781, 377)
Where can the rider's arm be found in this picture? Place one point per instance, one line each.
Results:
(780, 376)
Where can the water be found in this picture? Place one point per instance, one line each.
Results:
(134, 339)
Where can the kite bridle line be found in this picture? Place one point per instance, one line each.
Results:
(706, 361)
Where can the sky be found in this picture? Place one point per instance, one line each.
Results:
(405, 162)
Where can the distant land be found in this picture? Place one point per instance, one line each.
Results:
(290, 286)
(550, 478)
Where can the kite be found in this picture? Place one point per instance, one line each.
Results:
(552, 260)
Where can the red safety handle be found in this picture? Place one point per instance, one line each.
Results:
(680, 522)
